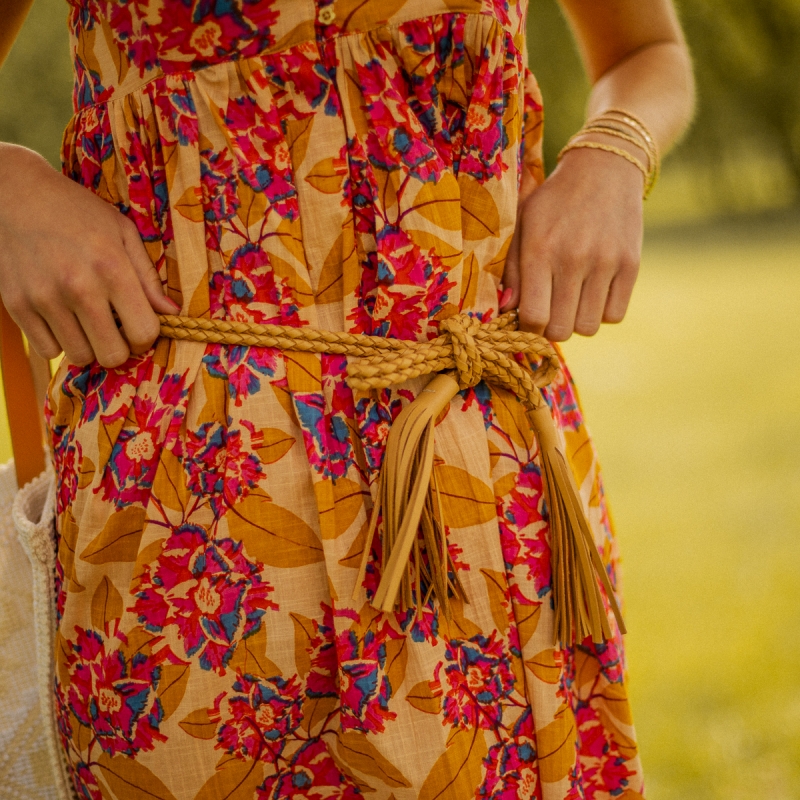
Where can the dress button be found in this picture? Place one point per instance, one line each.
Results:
(326, 15)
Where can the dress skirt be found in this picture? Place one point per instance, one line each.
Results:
(353, 165)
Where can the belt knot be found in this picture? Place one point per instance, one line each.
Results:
(467, 350)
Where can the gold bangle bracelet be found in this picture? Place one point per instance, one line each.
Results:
(608, 148)
(636, 124)
(617, 134)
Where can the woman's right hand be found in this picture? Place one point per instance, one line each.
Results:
(67, 258)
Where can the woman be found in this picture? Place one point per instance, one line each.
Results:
(370, 166)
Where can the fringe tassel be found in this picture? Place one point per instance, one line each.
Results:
(408, 498)
(575, 562)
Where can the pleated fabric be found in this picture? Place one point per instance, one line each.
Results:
(357, 166)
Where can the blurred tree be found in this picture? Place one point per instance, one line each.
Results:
(36, 82)
(747, 56)
(747, 60)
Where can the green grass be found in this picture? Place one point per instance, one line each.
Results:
(694, 402)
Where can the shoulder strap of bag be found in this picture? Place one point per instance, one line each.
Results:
(24, 404)
(13, 15)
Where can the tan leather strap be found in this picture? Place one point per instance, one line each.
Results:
(23, 401)
(12, 15)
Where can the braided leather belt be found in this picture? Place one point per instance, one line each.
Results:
(466, 352)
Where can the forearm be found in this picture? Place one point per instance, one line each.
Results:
(655, 83)
(12, 15)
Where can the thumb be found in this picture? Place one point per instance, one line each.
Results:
(146, 272)
(511, 278)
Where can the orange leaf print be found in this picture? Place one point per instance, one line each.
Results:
(106, 604)
(496, 586)
(505, 485)
(252, 205)
(272, 444)
(511, 417)
(470, 272)
(86, 475)
(131, 779)
(527, 621)
(355, 749)
(466, 500)
(303, 631)
(119, 539)
(328, 175)
(556, 746)
(172, 687)
(546, 666)
(425, 698)
(445, 252)
(341, 270)
(316, 710)
(396, 661)
(479, 215)
(198, 725)
(273, 535)
(169, 485)
(615, 699)
(356, 551)
(304, 372)
(339, 503)
(190, 204)
(458, 626)
(356, 14)
(68, 541)
(579, 453)
(298, 134)
(251, 656)
(440, 203)
(458, 771)
(234, 780)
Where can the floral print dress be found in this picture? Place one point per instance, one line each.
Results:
(348, 165)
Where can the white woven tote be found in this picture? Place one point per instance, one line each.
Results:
(31, 764)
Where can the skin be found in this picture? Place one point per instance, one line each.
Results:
(576, 250)
(67, 257)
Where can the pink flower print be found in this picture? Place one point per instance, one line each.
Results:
(128, 475)
(365, 689)
(256, 722)
(219, 466)
(478, 678)
(85, 783)
(312, 774)
(523, 530)
(114, 694)
(603, 768)
(511, 769)
(323, 678)
(241, 366)
(67, 458)
(209, 590)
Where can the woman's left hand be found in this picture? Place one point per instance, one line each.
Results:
(575, 254)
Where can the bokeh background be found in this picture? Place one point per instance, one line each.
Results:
(693, 401)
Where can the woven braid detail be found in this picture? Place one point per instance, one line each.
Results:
(474, 349)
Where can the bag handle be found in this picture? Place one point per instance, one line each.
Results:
(24, 404)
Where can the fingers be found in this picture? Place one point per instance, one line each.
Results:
(511, 273)
(594, 293)
(40, 337)
(145, 270)
(619, 295)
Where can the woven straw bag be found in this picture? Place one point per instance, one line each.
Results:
(31, 764)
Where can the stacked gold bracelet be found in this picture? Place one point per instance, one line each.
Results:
(625, 126)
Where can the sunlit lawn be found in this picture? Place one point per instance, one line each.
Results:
(694, 402)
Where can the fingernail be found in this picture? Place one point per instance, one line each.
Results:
(506, 296)
(173, 303)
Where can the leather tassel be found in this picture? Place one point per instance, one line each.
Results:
(575, 561)
(408, 501)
